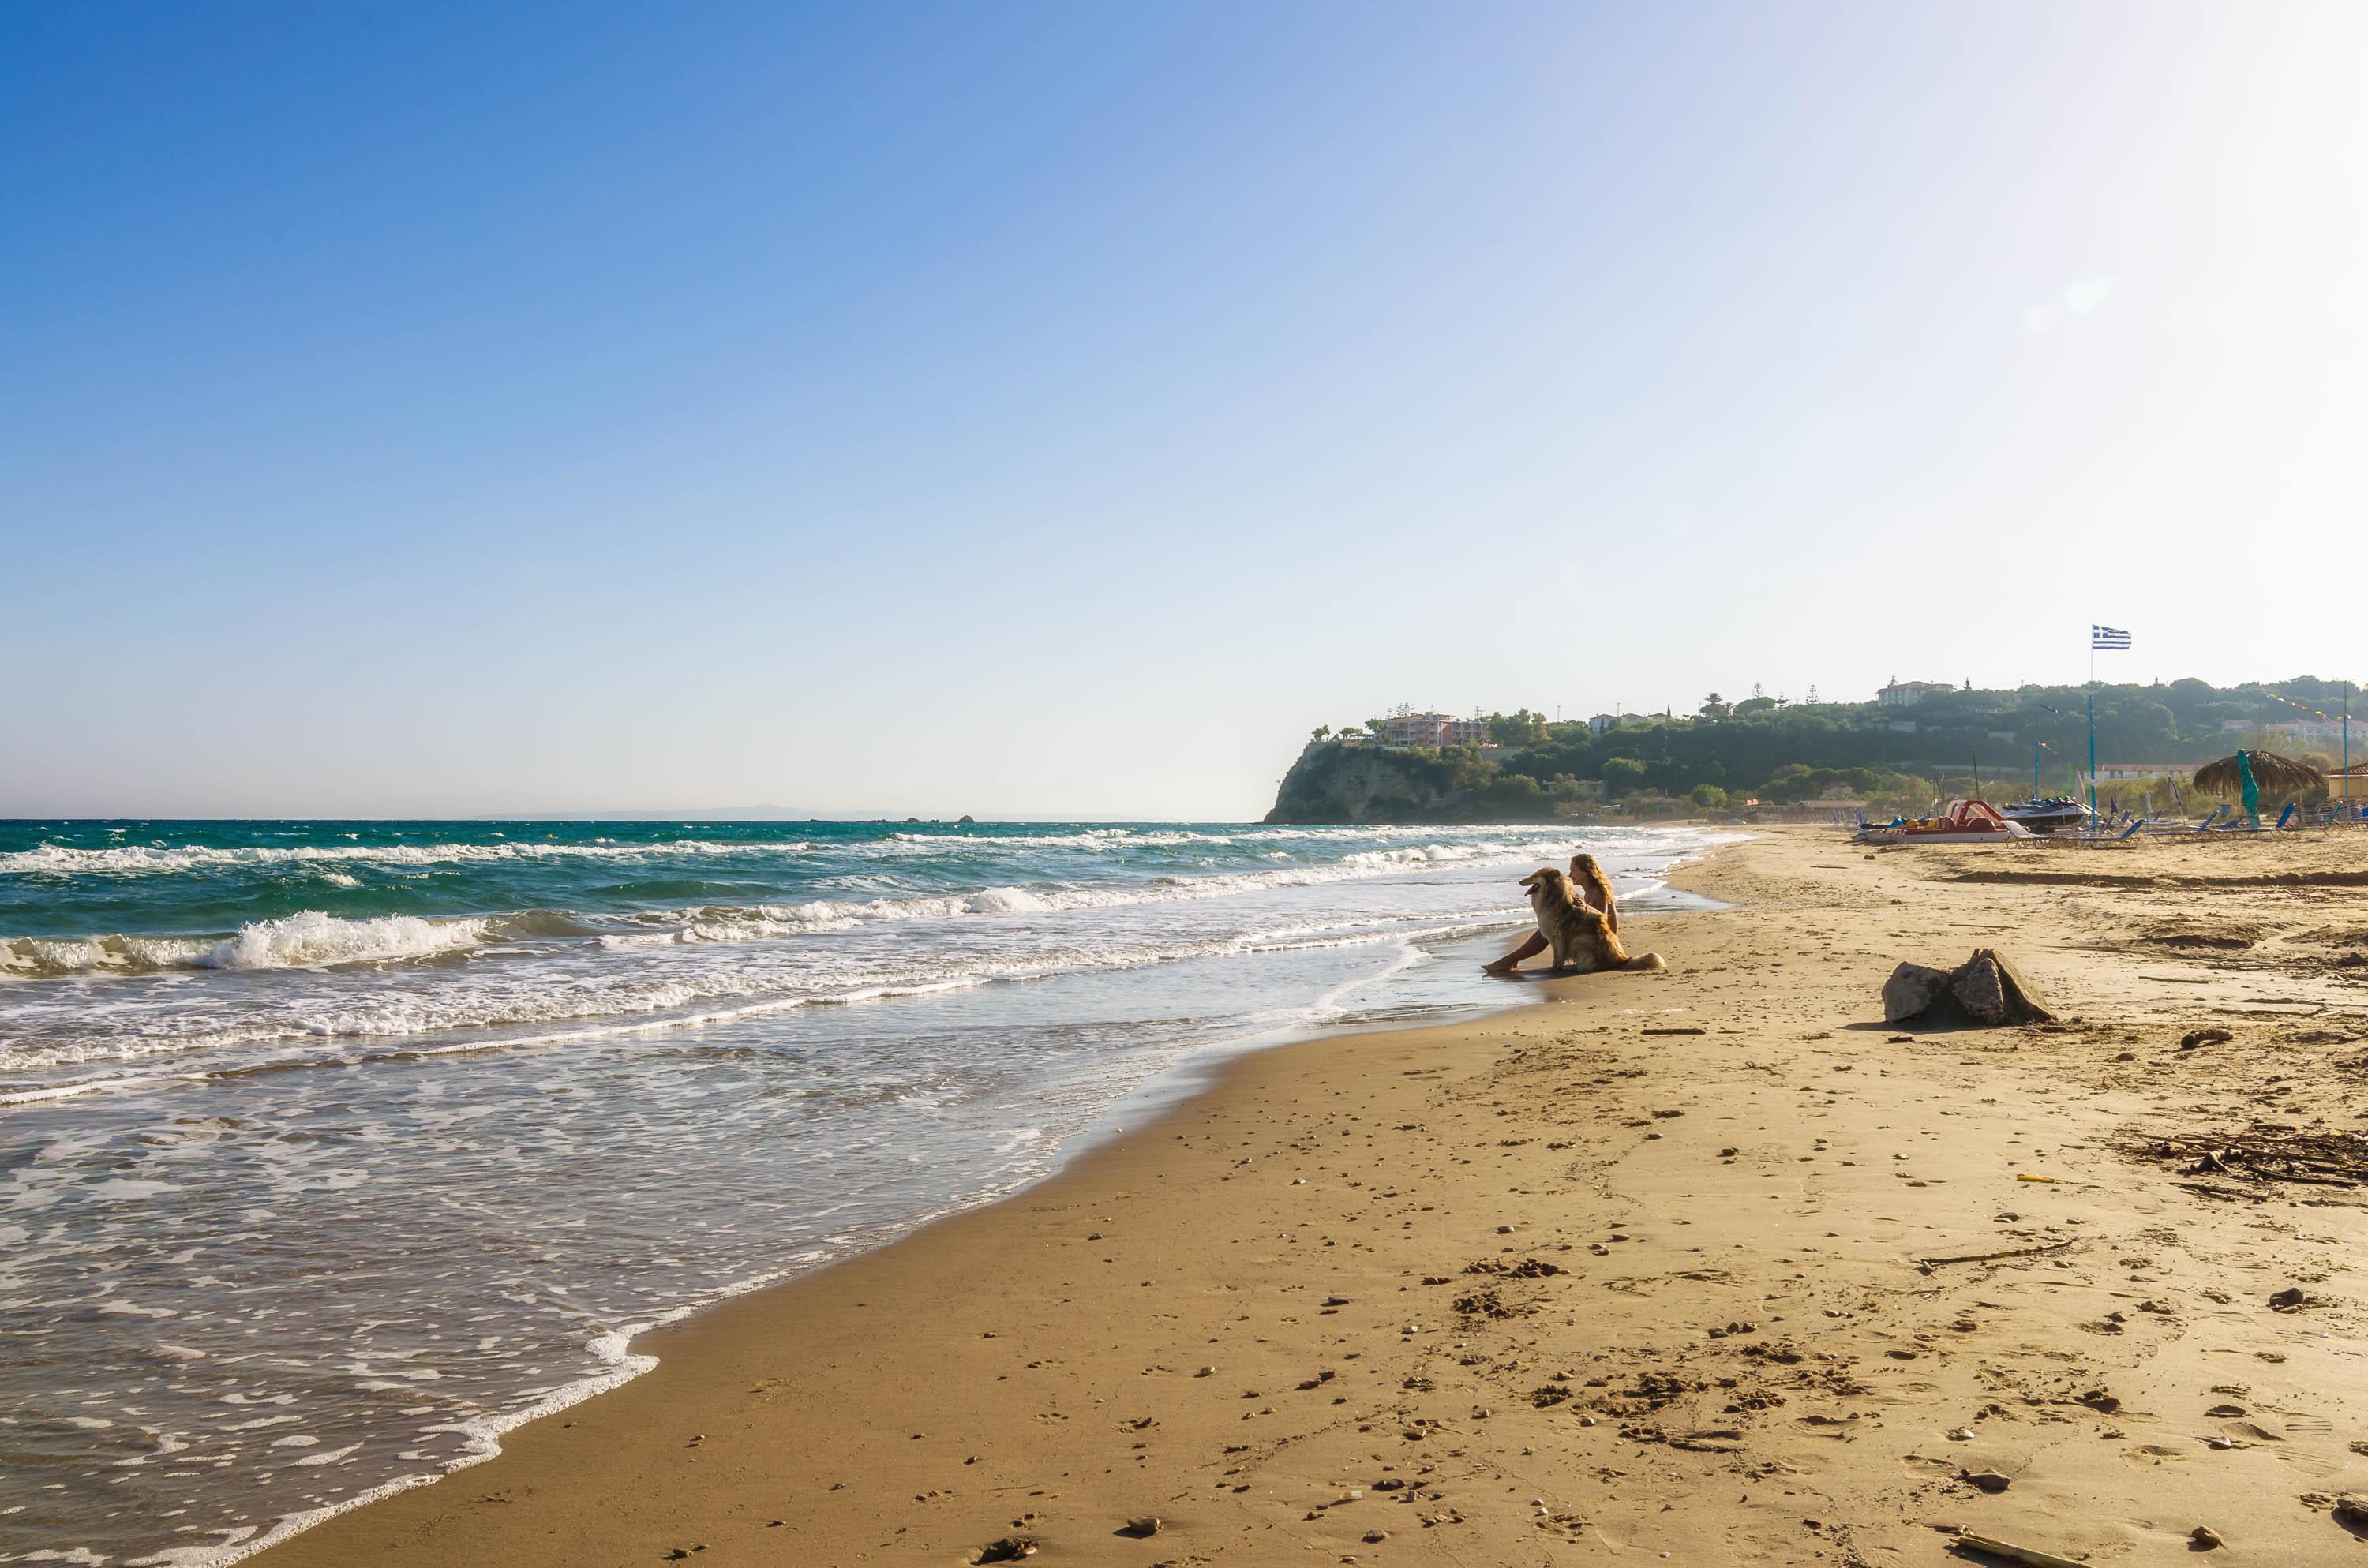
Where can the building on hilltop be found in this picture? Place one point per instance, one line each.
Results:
(1407, 729)
(2313, 732)
(1433, 730)
(1464, 733)
(1909, 693)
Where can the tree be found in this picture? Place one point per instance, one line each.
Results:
(1321, 733)
(1622, 774)
(1715, 707)
(1376, 725)
(1710, 796)
(1520, 728)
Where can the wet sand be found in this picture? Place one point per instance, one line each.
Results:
(1710, 1266)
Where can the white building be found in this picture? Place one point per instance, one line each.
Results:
(2297, 734)
(2295, 730)
(1909, 693)
(2133, 772)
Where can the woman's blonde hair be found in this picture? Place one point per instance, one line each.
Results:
(1587, 872)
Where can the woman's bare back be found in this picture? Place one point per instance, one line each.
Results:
(1595, 889)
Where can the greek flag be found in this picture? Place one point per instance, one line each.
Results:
(2108, 637)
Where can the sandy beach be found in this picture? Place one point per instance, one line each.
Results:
(1710, 1267)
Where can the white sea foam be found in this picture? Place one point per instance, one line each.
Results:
(307, 939)
(311, 938)
(133, 859)
(519, 1019)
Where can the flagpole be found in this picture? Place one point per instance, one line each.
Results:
(2092, 743)
(2092, 729)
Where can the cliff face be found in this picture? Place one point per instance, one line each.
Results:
(1335, 783)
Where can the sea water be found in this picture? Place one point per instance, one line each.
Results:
(330, 1151)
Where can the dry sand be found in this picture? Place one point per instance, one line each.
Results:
(1666, 1268)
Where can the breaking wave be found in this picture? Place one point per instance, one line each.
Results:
(312, 939)
(135, 860)
(307, 939)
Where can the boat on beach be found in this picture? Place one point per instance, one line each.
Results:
(2046, 815)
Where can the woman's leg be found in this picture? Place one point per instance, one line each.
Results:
(1512, 961)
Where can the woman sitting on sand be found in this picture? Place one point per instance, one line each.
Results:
(1594, 888)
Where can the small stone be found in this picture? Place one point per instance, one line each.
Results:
(2289, 1300)
(2205, 1537)
(1989, 1480)
(2225, 1412)
(1962, 1435)
(1144, 1525)
(1374, 1538)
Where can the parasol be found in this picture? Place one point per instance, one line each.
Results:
(2276, 775)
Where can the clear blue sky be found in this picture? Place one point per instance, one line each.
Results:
(1058, 411)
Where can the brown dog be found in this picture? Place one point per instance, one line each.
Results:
(1581, 939)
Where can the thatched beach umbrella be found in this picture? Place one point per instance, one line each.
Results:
(2277, 776)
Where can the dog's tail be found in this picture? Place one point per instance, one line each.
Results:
(1645, 961)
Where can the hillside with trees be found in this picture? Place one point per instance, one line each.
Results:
(1763, 752)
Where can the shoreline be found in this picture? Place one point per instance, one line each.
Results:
(1620, 1351)
(1167, 1093)
(1172, 1095)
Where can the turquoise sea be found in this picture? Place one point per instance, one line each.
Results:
(329, 1151)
